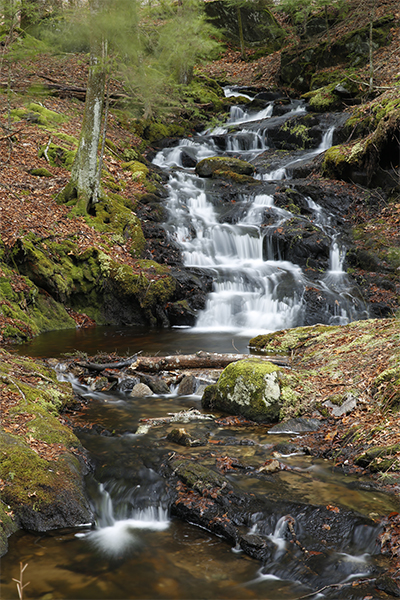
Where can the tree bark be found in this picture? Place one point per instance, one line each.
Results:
(83, 183)
(241, 36)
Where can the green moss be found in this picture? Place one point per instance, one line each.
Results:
(379, 458)
(324, 99)
(112, 215)
(58, 156)
(223, 166)
(41, 172)
(297, 130)
(139, 170)
(286, 340)
(44, 116)
(250, 388)
(387, 388)
(7, 526)
(31, 312)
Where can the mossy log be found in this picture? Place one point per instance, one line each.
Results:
(201, 360)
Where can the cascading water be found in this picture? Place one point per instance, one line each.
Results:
(255, 288)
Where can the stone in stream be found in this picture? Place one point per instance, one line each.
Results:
(183, 438)
(187, 385)
(208, 166)
(155, 383)
(247, 387)
(140, 390)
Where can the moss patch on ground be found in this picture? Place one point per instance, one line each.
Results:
(360, 360)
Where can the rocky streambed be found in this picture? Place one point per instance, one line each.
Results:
(174, 440)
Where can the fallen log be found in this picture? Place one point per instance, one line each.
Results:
(102, 366)
(200, 360)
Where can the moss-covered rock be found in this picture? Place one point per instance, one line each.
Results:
(38, 114)
(248, 387)
(57, 155)
(94, 283)
(208, 166)
(27, 311)
(367, 158)
(42, 477)
(41, 172)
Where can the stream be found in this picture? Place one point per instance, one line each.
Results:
(139, 548)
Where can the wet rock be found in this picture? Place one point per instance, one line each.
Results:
(141, 390)
(296, 425)
(203, 496)
(159, 246)
(301, 242)
(284, 449)
(156, 384)
(270, 466)
(187, 385)
(389, 585)
(255, 546)
(249, 388)
(208, 166)
(187, 160)
(179, 313)
(126, 384)
(102, 384)
(183, 438)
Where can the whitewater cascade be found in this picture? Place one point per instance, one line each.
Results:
(254, 289)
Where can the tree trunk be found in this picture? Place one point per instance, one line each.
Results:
(371, 62)
(84, 174)
(202, 360)
(241, 37)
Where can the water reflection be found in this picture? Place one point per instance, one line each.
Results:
(130, 340)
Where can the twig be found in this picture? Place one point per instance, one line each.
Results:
(11, 134)
(19, 582)
(333, 585)
(46, 150)
(8, 379)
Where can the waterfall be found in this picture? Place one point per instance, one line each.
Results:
(255, 289)
(117, 528)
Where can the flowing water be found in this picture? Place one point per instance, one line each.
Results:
(136, 549)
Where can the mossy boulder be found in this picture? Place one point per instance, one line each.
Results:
(41, 172)
(379, 458)
(41, 474)
(93, 283)
(139, 170)
(323, 99)
(57, 155)
(26, 310)
(387, 388)
(248, 387)
(368, 158)
(37, 113)
(209, 166)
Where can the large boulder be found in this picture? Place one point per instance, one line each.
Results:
(216, 164)
(248, 387)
